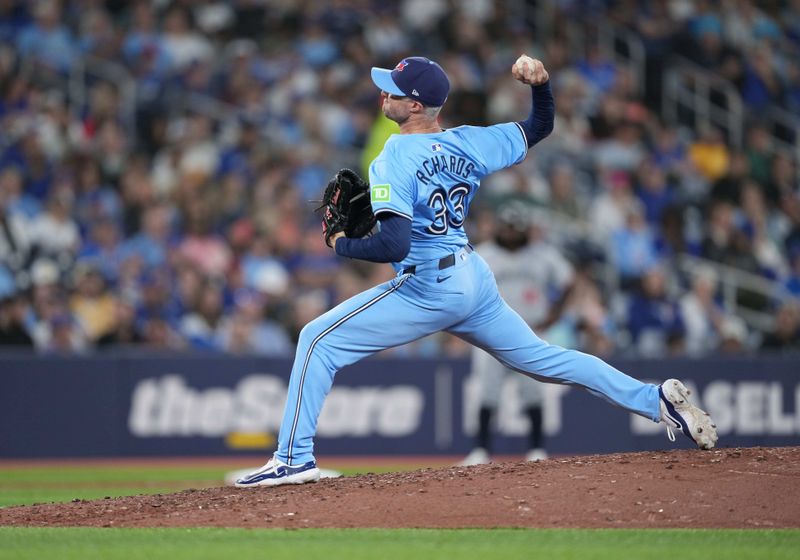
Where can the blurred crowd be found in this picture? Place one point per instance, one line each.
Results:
(159, 161)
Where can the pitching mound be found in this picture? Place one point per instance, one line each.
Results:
(752, 487)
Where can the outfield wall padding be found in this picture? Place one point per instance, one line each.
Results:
(155, 405)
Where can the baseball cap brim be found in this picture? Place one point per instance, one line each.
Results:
(382, 78)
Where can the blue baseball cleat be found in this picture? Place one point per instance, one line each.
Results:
(276, 473)
(677, 412)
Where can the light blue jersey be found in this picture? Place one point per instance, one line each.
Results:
(431, 179)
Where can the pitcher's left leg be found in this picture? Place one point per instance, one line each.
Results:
(499, 330)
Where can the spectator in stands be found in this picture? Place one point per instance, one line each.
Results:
(138, 189)
(564, 197)
(791, 100)
(113, 147)
(669, 152)
(201, 246)
(61, 334)
(654, 191)
(143, 39)
(671, 240)
(653, 22)
(13, 307)
(95, 201)
(610, 208)
(759, 152)
(235, 159)
(609, 116)
(720, 230)
(16, 241)
(623, 150)
(702, 315)
(182, 43)
(199, 325)
(46, 39)
(386, 37)
(729, 186)
(92, 303)
(597, 69)
(707, 48)
(247, 330)
(13, 18)
(786, 335)
(259, 263)
(747, 25)
(27, 154)
(733, 336)
(158, 334)
(790, 21)
(633, 249)
(755, 225)
(733, 248)
(102, 248)
(50, 323)
(653, 319)
(761, 84)
(571, 131)
(709, 154)
(55, 232)
(199, 154)
(156, 303)
(97, 35)
(16, 200)
(152, 243)
(125, 332)
(314, 267)
(586, 322)
(105, 104)
(783, 180)
(792, 282)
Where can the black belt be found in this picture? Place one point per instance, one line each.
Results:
(444, 262)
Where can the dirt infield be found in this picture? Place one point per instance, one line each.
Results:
(743, 487)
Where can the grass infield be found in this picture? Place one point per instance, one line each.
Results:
(353, 544)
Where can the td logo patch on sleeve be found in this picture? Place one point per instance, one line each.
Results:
(380, 193)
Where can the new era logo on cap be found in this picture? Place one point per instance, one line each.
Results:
(416, 77)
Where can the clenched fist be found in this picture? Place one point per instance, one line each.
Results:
(529, 71)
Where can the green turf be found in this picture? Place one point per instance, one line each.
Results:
(353, 544)
(65, 483)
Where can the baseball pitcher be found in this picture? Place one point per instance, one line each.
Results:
(420, 188)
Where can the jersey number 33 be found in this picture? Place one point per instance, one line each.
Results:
(449, 208)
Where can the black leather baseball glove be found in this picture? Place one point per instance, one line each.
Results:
(346, 207)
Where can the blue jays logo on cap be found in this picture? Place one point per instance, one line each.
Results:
(416, 77)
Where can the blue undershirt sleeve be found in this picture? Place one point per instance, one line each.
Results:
(540, 122)
(391, 244)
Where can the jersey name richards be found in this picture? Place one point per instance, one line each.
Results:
(432, 178)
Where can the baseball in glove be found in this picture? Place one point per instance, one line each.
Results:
(346, 207)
